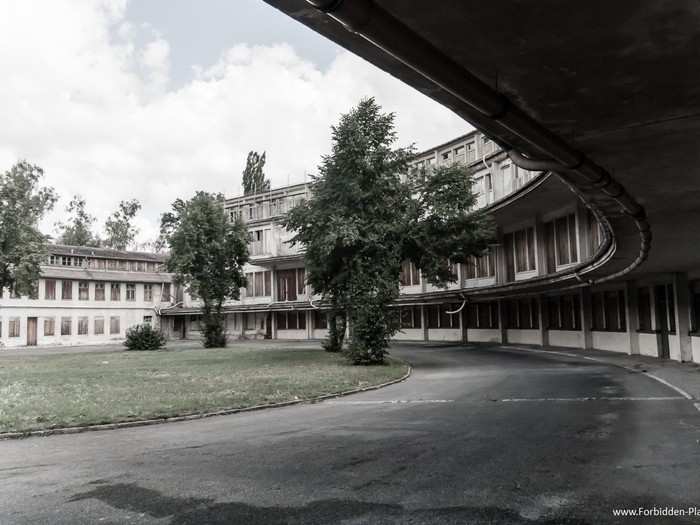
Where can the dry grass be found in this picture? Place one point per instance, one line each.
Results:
(45, 391)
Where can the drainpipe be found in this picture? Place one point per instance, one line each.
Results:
(489, 108)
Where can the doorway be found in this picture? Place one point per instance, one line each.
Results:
(31, 331)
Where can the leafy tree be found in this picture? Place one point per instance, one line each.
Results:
(78, 230)
(367, 214)
(119, 226)
(254, 180)
(22, 246)
(207, 254)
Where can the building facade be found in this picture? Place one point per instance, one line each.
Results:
(87, 296)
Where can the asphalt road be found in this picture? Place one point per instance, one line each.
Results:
(476, 435)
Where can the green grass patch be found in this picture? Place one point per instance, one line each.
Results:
(48, 391)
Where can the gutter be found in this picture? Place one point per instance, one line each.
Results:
(493, 111)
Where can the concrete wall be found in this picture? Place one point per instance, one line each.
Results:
(291, 334)
(524, 337)
(648, 345)
(484, 335)
(611, 341)
(568, 338)
(444, 334)
(409, 334)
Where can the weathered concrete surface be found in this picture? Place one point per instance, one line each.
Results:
(476, 435)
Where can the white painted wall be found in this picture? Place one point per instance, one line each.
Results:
(648, 345)
(524, 337)
(291, 334)
(695, 342)
(484, 335)
(567, 338)
(611, 341)
(409, 334)
(444, 334)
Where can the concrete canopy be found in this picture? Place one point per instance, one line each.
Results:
(619, 81)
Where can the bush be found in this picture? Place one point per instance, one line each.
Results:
(143, 337)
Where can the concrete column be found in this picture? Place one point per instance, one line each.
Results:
(544, 331)
(500, 256)
(681, 298)
(501, 321)
(632, 294)
(273, 284)
(587, 318)
(424, 323)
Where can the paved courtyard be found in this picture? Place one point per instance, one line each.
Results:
(476, 435)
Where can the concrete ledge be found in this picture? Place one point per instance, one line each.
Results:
(200, 415)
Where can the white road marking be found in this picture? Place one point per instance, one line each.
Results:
(682, 392)
(391, 402)
(591, 398)
(697, 405)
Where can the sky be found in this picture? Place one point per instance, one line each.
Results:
(157, 99)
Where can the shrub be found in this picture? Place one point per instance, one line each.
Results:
(143, 337)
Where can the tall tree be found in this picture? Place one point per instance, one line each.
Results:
(207, 254)
(254, 180)
(119, 226)
(22, 246)
(367, 214)
(77, 231)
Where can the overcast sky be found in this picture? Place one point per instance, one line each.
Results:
(155, 99)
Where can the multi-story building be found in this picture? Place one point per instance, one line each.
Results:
(86, 296)
(531, 287)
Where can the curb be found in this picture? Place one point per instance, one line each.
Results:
(201, 415)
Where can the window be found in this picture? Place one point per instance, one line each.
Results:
(259, 284)
(50, 289)
(13, 328)
(130, 292)
(166, 292)
(459, 154)
(292, 320)
(482, 315)
(410, 317)
(522, 314)
(66, 325)
(301, 285)
(148, 292)
(115, 292)
(66, 290)
(524, 250)
(147, 319)
(609, 311)
(471, 152)
(99, 291)
(83, 291)
(439, 318)
(82, 325)
(409, 275)
(671, 302)
(320, 320)
(563, 232)
(99, 325)
(563, 312)
(49, 326)
(644, 308)
(479, 267)
(595, 233)
(114, 327)
(66, 260)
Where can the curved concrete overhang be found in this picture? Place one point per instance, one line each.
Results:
(618, 81)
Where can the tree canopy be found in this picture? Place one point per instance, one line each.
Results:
(254, 180)
(22, 246)
(77, 231)
(367, 214)
(119, 228)
(207, 255)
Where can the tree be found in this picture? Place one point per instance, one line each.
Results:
(254, 180)
(367, 214)
(78, 230)
(207, 254)
(119, 226)
(22, 246)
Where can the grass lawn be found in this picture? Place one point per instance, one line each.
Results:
(45, 391)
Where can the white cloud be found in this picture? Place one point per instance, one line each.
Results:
(85, 100)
